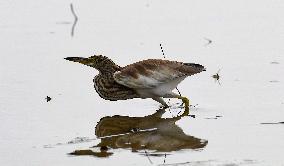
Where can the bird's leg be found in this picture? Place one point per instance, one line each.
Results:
(184, 100)
(160, 100)
(186, 103)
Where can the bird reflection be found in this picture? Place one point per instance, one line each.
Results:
(139, 134)
(145, 133)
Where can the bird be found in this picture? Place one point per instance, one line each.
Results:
(151, 78)
(143, 132)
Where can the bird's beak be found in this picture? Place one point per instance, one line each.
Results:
(78, 59)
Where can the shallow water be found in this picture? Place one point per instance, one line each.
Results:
(238, 120)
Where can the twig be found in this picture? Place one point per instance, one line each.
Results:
(178, 91)
(75, 19)
(164, 58)
(162, 50)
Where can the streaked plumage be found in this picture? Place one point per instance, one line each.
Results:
(152, 78)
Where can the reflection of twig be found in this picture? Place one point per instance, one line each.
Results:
(116, 135)
(148, 157)
(165, 158)
(75, 21)
(164, 58)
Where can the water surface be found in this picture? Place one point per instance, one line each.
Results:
(239, 119)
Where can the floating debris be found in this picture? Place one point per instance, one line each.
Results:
(273, 123)
(274, 81)
(79, 140)
(209, 41)
(48, 99)
(217, 77)
(216, 117)
(274, 63)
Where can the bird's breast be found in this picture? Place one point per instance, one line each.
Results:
(108, 89)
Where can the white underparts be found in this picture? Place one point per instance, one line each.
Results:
(163, 90)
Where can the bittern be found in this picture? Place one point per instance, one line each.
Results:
(152, 78)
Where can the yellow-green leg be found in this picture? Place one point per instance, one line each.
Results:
(186, 105)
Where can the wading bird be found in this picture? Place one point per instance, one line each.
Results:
(152, 78)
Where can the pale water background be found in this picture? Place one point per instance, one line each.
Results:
(248, 47)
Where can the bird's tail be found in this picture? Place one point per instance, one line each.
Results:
(196, 66)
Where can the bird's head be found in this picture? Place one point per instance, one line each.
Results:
(99, 62)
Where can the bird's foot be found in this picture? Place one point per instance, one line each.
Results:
(186, 105)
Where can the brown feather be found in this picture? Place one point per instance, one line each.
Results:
(146, 67)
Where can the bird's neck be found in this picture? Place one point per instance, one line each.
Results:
(108, 68)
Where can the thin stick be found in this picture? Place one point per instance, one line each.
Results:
(75, 21)
(178, 91)
(162, 50)
(164, 58)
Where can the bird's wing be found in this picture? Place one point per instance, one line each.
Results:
(153, 72)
